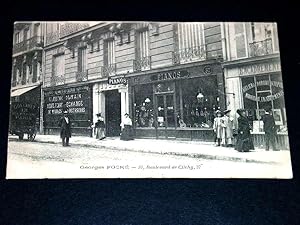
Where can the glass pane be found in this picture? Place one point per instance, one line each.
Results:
(249, 96)
(160, 111)
(143, 106)
(170, 111)
(164, 87)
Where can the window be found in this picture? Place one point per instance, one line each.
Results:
(143, 106)
(190, 42)
(17, 38)
(59, 65)
(142, 58)
(36, 30)
(240, 41)
(109, 58)
(109, 52)
(261, 93)
(82, 59)
(26, 34)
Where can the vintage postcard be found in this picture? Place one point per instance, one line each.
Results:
(144, 99)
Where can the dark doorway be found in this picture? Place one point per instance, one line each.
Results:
(113, 113)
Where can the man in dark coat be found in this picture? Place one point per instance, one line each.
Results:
(65, 129)
(244, 141)
(270, 130)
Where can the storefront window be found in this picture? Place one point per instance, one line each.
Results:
(261, 93)
(143, 106)
(197, 101)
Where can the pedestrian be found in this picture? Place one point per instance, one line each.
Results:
(217, 126)
(270, 130)
(100, 127)
(65, 128)
(244, 141)
(227, 129)
(127, 133)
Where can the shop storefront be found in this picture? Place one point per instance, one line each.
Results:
(76, 100)
(260, 88)
(178, 103)
(110, 98)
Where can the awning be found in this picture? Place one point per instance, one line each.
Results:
(21, 91)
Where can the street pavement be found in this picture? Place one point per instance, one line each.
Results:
(51, 160)
(194, 149)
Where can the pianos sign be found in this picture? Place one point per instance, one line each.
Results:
(117, 80)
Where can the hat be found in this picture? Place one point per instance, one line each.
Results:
(226, 111)
(65, 111)
(218, 112)
(126, 114)
(98, 114)
(239, 111)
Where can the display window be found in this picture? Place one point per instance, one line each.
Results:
(185, 103)
(261, 93)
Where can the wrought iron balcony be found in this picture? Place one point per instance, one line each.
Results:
(259, 48)
(189, 54)
(142, 64)
(57, 80)
(109, 70)
(52, 37)
(28, 44)
(82, 75)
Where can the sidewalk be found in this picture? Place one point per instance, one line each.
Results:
(203, 150)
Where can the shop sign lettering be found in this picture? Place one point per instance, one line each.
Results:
(272, 97)
(66, 99)
(117, 80)
(170, 75)
(259, 68)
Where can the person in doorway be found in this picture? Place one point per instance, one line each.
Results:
(227, 129)
(127, 133)
(65, 128)
(100, 127)
(217, 126)
(244, 141)
(270, 130)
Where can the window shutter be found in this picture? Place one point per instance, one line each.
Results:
(105, 53)
(239, 32)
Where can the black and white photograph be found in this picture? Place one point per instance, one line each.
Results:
(142, 99)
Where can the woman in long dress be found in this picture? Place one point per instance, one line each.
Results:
(127, 133)
(244, 141)
(100, 127)
(217, 126)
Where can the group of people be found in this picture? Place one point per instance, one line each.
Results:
(225, 131)
(223, 127)
(99, 128)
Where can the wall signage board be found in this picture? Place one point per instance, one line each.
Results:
(117, 80)
(259, 68)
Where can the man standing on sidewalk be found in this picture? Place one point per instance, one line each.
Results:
(270, 130)
(65, 129)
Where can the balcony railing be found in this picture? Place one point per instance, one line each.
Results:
(189, 54)
(28, 44)
(57, 80)
(52, 37)
(82, 75)
(259, 48)
(142, 64)
(14, 83)
(109, 70)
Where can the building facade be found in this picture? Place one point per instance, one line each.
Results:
(27, 63)
(253, 77)
(167, 76)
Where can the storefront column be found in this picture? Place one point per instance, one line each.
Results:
(124, 102)
(98, 102)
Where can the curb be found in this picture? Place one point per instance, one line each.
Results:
(191, 155)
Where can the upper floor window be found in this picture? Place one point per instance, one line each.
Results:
(17, 37)
(58, 65)
(26, 34)
(82, 59)
(238, 42)
(36, 30)
(191, 44)
(263, 39)
(109, 57)
(142, 55)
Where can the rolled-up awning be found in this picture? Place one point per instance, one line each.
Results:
(21, 91)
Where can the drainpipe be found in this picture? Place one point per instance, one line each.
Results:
(42, 76)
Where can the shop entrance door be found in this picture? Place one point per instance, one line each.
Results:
(113, 113)
(166, 117)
